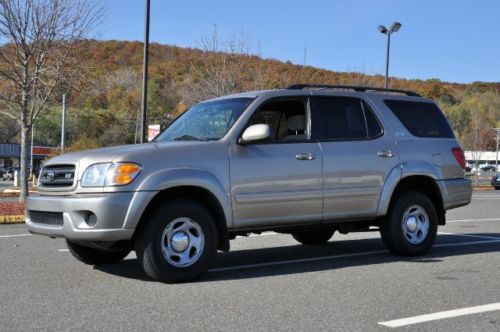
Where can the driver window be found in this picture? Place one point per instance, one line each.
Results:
(287, 119)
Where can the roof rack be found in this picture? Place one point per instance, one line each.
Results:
(351, 87)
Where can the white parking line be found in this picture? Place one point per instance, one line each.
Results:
(322, 258)
(441, 315)
(292, 261)
(468, 220)
(15, 235)
(472, 235)
(63, 250)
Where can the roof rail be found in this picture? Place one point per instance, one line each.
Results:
(351, 87)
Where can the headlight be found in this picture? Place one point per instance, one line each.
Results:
(110, 174)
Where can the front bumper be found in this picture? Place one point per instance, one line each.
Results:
(116, 215)
(455, 192)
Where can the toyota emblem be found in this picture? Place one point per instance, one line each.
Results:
(50, 175)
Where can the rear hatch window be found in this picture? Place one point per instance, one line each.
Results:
(420, 118)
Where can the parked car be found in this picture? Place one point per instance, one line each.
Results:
(8, 174)
(308, 160)
(488, 168)
(495, 182)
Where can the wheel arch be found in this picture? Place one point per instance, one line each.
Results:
(424, 184)
(196, 185)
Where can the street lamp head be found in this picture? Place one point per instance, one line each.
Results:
(382, 29)
(395, 26)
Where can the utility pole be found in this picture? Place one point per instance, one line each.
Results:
(144, 128)
(63, 121)
(388, 32)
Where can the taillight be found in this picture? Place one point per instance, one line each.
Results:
(459, 156)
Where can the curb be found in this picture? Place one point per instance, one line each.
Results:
(14, 219)
(17, 191)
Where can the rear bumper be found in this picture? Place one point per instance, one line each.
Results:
(116, 215)
(455, 192)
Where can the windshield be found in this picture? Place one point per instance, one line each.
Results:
(206, 121)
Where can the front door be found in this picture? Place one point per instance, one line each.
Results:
(278, 181)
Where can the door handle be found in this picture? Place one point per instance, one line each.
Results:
(385, 154)
(305, 156)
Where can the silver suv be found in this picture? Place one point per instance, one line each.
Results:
(307, 160)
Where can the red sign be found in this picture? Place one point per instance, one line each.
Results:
(44, 150)
(153, 131)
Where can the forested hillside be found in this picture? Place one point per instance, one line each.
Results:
(104, 104)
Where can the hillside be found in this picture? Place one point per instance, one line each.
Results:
(104, 105)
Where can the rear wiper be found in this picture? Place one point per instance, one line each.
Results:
(188, 138)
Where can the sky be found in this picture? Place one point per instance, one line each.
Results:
(451, 40)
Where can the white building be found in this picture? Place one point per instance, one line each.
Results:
(483, 157)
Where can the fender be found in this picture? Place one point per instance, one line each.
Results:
(401, 171)
(182, 177)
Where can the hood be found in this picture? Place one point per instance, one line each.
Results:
(108, 154)
(144, 154)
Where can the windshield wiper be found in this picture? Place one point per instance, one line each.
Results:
(188, 138)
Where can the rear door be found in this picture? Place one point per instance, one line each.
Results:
(357, 156)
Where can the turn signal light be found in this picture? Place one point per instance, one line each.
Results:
(121, 174)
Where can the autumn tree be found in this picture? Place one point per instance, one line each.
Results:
(37, 38)
(223, 68)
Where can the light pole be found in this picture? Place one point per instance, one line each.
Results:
(63, 122)
(498, 139)
(144, 128)
(394, 28)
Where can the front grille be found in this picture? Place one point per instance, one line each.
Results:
(57, 176)
(46, 218)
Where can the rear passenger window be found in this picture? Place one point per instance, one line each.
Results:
(345, 118)
(421, 119)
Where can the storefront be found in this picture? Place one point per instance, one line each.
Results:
(10, 155)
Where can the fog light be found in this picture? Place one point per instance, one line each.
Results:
(91, 219)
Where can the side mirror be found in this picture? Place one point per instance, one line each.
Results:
(255, 133)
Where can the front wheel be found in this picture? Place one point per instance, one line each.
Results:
(94, 256)
(179, 243)
(313, 237)
(410, 227)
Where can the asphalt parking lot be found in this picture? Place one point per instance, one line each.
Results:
(267, 282)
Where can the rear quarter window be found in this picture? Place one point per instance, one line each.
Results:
(421, 119)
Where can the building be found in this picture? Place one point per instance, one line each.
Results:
(10, 155)
(483, 157)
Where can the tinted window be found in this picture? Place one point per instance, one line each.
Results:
(374, 128)
(344, 118)
(421, 119)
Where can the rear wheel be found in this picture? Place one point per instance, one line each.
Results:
(179, 243)
(313, 237)
(410, 227)
(94, 256)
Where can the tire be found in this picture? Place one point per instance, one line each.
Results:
(94, 256)
(497, 188)
(155, 244)
(313, 237)
(410, 227)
